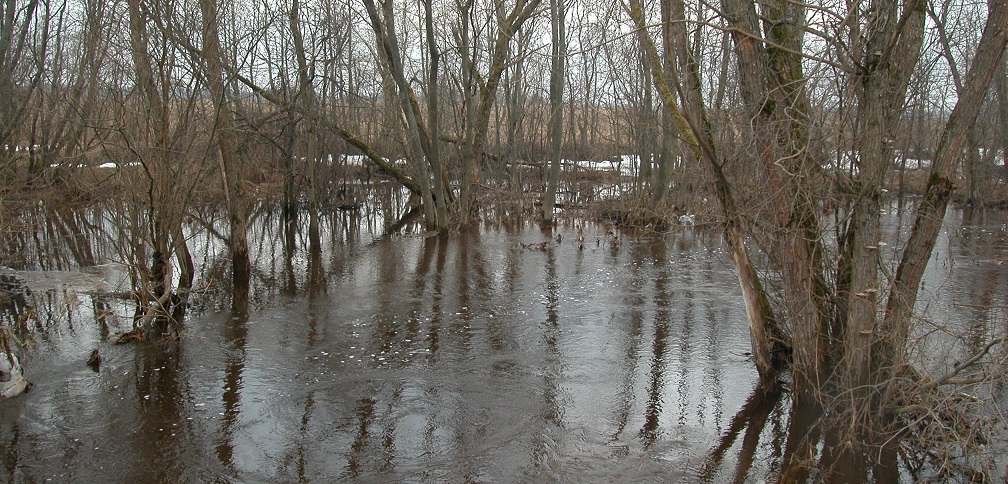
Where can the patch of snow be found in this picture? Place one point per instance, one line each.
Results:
(355, 160)
(916, 164)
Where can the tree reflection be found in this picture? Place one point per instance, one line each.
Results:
(552, 413)
(469, 391)
(290, 230)
(649, 434)
(309, 404)
(316, 271)
(159, 393)
(752, 418)
(358, 449)
(235, 335)
(815, 447)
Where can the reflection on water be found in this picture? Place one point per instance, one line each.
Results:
(504, 354)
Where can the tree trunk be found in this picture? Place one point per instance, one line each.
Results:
(766, 335)
(383, 24)
(772, 88)
(1001, 89)
(663, 162)
(156, 295)
(931, 209)
(559, 39)
(890, 55)
(309, 114)
(224, 127)
(440, 194)
(507, 27)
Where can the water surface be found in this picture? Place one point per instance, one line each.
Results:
(501, 355)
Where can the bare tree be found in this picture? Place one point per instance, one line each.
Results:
(383, 24)
(771, 82)
(558, 14)
(477, 125)
(167, 190)
(18, 81)
(931, 208)
(225, 133)
(767, 337)
(770, 53)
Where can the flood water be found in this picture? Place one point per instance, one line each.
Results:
(498, 355)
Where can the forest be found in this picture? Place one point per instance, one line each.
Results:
(788, 129)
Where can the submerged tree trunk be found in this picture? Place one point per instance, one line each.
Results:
(931, 208)
(225, 131)
(889, 57)
(508, 25)
(440, 190)
(663, 164)
(771, 84)
(162, 214)
(187, 271)
(470, 92)
(383, 25)
(559, 40)
(308, 108)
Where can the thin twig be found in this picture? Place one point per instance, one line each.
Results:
(948, 378)
(981, 306)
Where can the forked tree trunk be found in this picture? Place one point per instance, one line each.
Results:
(440, 190)
(890, 55)
(225, 131)
(154, 299)
(308, 108)
(479, 122)
(383, 25)
(931, 209)
(559, 39)
(772, 89)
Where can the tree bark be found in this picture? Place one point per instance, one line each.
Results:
(225, 129)
(306, 97)
(766, 336)
(890, 56)
(440, 192)
(383, 24)
(155, 157)
(931, 209)
(506, 29)
(558, 12)
(771, 83)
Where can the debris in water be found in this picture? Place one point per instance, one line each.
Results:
(94, 361)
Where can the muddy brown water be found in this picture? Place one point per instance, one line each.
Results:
(499, 355)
